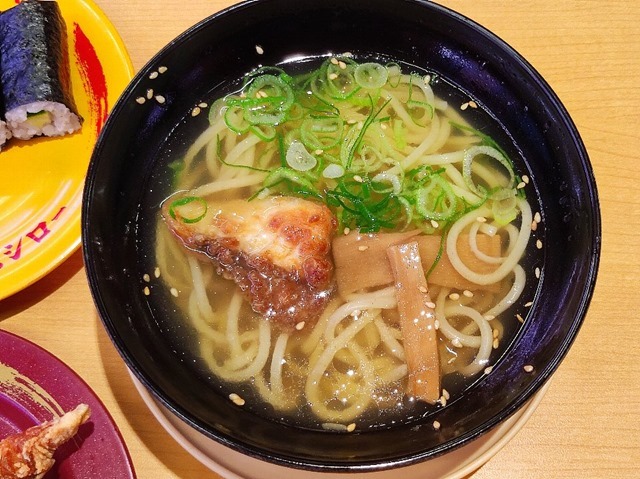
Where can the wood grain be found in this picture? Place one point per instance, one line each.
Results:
(588, 424)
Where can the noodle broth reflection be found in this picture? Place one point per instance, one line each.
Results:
(345, 246)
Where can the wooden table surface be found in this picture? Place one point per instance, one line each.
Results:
(588, 423)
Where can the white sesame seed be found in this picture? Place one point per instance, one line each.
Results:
(537, 273)
(141, 100)
(488, 369)
(334, 60)
(146, 277)
(528, 304)
(351, 427)
(430, 304)
(363, 248)
(160, 99)
(318, 152)
(528, 368)
(347, 231)
(454, 296)
(496, 343)
(195, 111)
(162, 69)
(436, 325)
(436, 425)
(468, 293)
(481, 219)
(333, 76)
(520, 318)
(146, 291)
(539, 244)
(427, 79)
(149, 93)
(496, 333)
(525, 178)
(300, 325)
(464, 106)
(342, 65)
(534, 226)
(153, 75)
(521, 185)
(445, 394)
(473, 104)
(237, 400)
(203, 104)
(443, 400)
(537, 218)
(422, 289)
(174, 292)
(156, 272)
(434, 223)
(259, 50)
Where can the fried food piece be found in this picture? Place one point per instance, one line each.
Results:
(277, 250)
(29, 454)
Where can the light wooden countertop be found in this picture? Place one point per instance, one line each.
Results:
(588, 423)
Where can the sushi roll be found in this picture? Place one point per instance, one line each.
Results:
(34, 71)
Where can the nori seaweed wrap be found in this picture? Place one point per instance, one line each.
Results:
(34, 71)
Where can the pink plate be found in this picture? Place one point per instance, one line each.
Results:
(35, 386)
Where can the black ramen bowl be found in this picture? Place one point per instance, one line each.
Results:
(207, 61)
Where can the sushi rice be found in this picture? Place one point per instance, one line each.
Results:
(45, 118)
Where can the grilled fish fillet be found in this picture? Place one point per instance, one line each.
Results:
(277, 250)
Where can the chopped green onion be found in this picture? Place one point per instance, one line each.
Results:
(333, 171)
(358, 140)
(436, 200)
(330, 135)
(371, 75)
(235, 120)
(389, 178)
(399, 134)
(467, 174)
(340, 83)
(189, 209)
(394, 74)
(297, 181)
(299, 158)
(420, 112)
(486, 139)
(322, 132)
(264, 132)
(266, 101)
(505, 211)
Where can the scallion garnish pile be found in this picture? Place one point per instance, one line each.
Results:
(373, 143)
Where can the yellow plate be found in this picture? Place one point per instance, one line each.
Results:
(42, 179)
